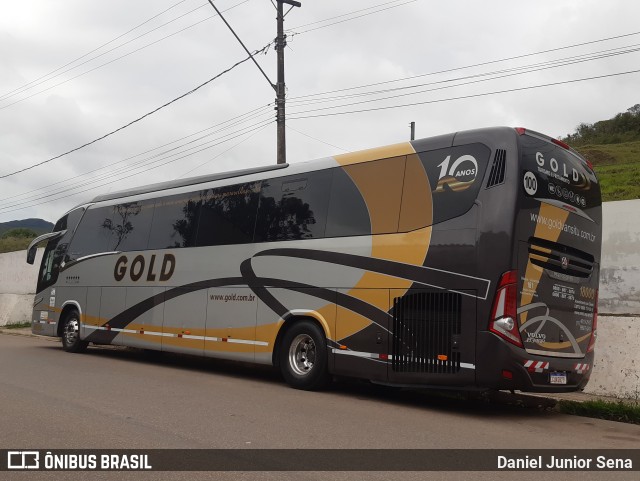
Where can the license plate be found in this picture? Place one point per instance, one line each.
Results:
(558, 378)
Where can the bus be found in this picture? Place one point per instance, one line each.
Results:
(466, 261)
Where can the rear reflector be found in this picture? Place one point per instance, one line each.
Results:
(521, 130)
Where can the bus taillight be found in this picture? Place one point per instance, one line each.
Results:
(503, 314)
(594, 326)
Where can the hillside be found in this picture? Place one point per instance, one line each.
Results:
(39, 225)
(618, 168)
(22, 232)
(613, 146)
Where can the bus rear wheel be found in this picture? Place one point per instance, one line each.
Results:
(303, 357)
(71, 341)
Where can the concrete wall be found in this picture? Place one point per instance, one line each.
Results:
(616, 371)
(17, 285)
(15, 308)
(620, 269)
(16, 276)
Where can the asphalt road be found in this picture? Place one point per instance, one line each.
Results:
(116, 398)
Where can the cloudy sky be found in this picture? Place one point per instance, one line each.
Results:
(357, 73)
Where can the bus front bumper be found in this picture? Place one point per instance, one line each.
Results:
(43, 328)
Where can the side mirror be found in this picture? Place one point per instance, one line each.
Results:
(32, 249)
(31, 255)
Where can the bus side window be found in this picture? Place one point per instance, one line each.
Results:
(56, 249)
(294, 207)
(128, 225)
(175, 221)
(348, 214)
(228, 215)
(89, 237)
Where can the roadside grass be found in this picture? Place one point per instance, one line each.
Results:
(625, 412)
(17, 325)
(619, 182)
(617, 167)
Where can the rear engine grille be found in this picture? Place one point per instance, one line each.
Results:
(426, 332)
(496, 176)
(549, 255)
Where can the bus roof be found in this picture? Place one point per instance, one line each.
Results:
(171, 184)
(435, 142)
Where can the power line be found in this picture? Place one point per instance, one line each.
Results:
(255, 132)
(70, 184)
(47, 198)
(112, 60)
(242, 43)
(11, 94)
(497, 77)
(340, 16)
(3, 96)
(481, 64)
(352, 18)
(144, 167)
(316, 139)
(465, 96)
(136, 120)
(519, 70)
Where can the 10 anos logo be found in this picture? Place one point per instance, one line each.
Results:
(457, 176)
(462, 169)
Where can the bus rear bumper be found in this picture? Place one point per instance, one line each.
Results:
(501, 365)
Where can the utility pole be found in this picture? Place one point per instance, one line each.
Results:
(279, 87)
(412, 125)
(281, 43)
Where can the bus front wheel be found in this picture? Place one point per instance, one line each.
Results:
(71, 341)
(303, 357)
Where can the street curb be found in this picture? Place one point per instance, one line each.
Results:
(21, 332)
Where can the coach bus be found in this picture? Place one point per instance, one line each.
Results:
(467, 261)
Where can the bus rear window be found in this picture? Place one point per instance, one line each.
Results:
(554, 175)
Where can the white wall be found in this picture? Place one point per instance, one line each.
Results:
(16, 276)
(15, 308)
(616, 369)
(17, 285)
(620, 269)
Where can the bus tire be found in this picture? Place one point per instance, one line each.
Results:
(303, 356)
(71, 341)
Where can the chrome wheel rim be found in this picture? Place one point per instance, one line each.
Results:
(302, 354)
(71, 331)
